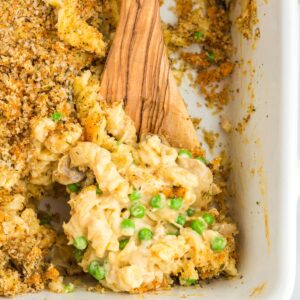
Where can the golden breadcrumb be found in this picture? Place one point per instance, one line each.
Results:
(40, 57)
(209, 26)
(248, 20)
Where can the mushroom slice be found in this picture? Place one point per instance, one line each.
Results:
(64, 174)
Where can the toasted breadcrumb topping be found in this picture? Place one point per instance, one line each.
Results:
(40, 58)
(248, 21)
(207, 24)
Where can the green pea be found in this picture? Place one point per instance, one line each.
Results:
(78, 255)
(181, 219)
(202, 159)
(73, 188)
(184, 152)
(137, 210)
(190, 212)
(135, 195)
(208, 218)
(157, 201)
(199, 226)
(127, 224)
(96, 270)
(56, 116)
(80, 243)
(98, 191)
(198, 35)
(176, 203)
(123, 243)
(145, 234)
(211, 56)
(190, 281)
(69, 287)
(218, 243)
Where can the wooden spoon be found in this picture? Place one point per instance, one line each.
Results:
(138, 72)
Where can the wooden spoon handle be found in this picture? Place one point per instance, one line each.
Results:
(138, 72)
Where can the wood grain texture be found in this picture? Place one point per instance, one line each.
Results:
(138, 72)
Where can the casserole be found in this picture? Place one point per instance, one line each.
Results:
(264, 163)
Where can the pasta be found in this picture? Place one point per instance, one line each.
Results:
(143, 213)
(50, 140)
(8, 177)
(74, 30)
(130, 175)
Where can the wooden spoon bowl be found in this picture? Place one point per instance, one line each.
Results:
(138, 73)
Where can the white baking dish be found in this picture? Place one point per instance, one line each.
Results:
(264, 165)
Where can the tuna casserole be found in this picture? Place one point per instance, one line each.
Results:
(144, 215)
